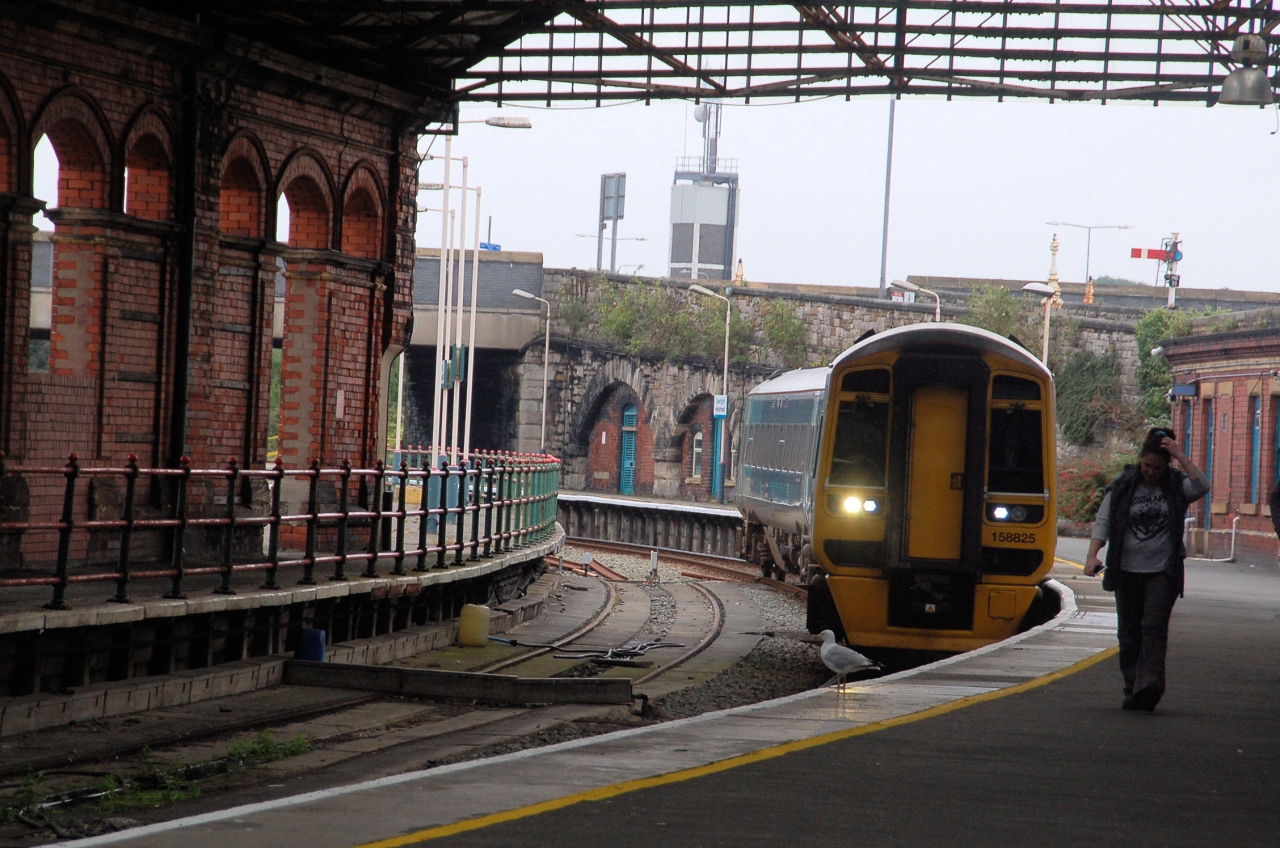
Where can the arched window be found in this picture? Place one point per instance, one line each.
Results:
(308, 214)
(695, 454)
(146, 180)
(240, 201)
(360, 226)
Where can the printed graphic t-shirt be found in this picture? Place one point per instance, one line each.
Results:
(1146, 544)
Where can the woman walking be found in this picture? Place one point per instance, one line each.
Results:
(1143, 513)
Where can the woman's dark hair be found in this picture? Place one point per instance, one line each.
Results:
(1151, 444)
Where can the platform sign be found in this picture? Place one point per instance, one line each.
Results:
(721, 406)
(484, 245)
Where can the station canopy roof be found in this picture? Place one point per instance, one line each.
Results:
(608, 50)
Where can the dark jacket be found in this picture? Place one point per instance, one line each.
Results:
(1121, 490)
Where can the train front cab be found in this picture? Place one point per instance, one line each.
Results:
(935, 510)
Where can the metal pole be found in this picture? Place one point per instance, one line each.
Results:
(888, 176)
(400, 401)
(471, 339)
(1044, 355)
(724, 390)
(446, 338)
(1088, 249)
(546, 361)
(600, 232)
(613, 246)
(444, 249)
(456, 347)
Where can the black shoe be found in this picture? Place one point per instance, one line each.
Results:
(1131, 703)
(1146, 699)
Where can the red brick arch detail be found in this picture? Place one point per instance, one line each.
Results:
(242, 207)
(11, 172)
(362, 214)
(148, 156)
(306, 183)
(79, 133)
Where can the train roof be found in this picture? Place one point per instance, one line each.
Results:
(913, 335)
(795, 382)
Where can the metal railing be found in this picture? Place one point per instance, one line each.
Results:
(266, 520)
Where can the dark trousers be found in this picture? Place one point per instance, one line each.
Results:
(1143, 605)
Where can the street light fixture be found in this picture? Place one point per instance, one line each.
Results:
(1047, 293)
(912, 287)
(546, 359)
(722, 459)
(445, 306)
(1088, 243)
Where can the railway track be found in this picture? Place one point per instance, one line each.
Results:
(701, 565)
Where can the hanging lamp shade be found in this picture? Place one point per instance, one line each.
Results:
(1246, 87)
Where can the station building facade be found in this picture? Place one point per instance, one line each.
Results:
(154, 335)
(1226, 413)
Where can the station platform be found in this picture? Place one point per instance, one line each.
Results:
(1020, 743)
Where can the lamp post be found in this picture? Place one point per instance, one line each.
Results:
(444, 305)
(1088, 241)
(722, 443)
(912, 287)
(1047, 294)
(546, 359)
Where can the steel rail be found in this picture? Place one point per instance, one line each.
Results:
(713, 633)
(603, 612)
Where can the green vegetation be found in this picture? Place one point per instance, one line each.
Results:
(1090, 396)
(113, 794)
(784, 333)
(999, 310)
(1154, 377)
(273, 403)
(1106, 280)
(1082, 484)
(663, 320)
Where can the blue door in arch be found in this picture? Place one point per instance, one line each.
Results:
(627, 476)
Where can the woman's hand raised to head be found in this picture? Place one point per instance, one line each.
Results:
(1175, 452)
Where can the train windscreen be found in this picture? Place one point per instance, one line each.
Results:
(862, 433)
(1016, 459)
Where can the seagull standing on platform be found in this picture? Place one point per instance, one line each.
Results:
(843, 661)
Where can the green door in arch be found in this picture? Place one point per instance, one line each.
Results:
(627, 479)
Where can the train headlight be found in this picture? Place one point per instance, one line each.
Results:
(1015, 513)
(870, 506)
(852, 504)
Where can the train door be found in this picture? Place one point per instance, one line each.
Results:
(936, 463)
(627, 477)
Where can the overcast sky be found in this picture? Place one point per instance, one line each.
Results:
(973, 184)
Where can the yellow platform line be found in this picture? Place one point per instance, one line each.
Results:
(770, 753)
(1079, 565)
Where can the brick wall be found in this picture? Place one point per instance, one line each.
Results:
(113, 114)
(1230, 374)
(696, 483)
(604, 459)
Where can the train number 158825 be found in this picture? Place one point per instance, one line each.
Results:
(1015, 538)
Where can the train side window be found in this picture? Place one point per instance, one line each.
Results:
(862, 437)
(1016, 451)
(870, 381)
(1006, 387)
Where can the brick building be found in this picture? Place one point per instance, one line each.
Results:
(175, 139)
(1226, 407)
